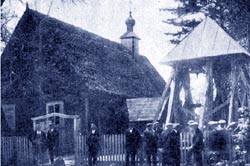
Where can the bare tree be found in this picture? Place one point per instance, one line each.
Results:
(6, 16)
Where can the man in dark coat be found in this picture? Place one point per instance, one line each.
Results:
(177, 130)
(52, 142)
(150, 138)
(170, 146)
(38, 140)
(93, 145)
(133, 138)
(197, 147)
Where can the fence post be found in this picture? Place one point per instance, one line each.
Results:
(14, 157)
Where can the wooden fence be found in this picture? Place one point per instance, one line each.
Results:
(16, 151)
(112, 149)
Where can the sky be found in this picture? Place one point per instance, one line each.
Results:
(107, 19)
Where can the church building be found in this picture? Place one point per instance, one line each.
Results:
(50, 66)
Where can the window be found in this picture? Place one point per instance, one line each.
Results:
(10, 115)
(55, 107)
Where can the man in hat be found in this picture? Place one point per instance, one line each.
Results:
(133, 139)
(170, 146)
(52, 142)
(221, 124)
(221, 140)
(197, 147)
(38, 140)
(151, 139)
(177, 129)
(93, 145)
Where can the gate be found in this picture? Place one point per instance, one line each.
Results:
(67, 126)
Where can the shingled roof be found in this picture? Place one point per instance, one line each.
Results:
(143, 109)
(207, 40)
(43, 50)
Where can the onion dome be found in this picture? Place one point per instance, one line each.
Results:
(130, 22)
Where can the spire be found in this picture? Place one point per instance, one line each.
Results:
(129, 39)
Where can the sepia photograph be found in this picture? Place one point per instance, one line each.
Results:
(125, 83)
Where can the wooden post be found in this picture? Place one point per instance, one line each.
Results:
(186, 86)
(174, 96)
(209, 94)
(164, 95)
(34, 125)
(232, 93)
(86, 105)
(170, 102)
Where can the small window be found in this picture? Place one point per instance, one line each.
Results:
(54, 107)
(10, 115)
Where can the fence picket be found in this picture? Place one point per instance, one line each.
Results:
(112, 148)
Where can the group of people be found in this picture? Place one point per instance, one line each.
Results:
(155, 140)
(42, 141)
(168, 143)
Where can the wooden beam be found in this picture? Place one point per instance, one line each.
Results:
(244, 77)
(174, 96)
(55, 115)
(164, 97)
(232, 93)
(170, 102)
(209, 94)
(186, 87)
(218, 108)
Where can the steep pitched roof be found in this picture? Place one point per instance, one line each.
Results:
(207, 40)
(53, 56)
(143, 109)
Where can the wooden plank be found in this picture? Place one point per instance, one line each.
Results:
(161, 105)
(218, 108)
(54, 114)
(232, 93)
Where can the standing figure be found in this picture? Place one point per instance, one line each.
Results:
(93, 145)
(197, 147)
(170, 146)
(151, 139)
(38, 140)
(52, 142)
(177, 130)
(133, 138)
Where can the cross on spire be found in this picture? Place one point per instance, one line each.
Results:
(130, 6)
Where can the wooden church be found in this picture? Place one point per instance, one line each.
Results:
(49, 66)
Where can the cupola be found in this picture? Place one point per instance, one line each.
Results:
(130, 39)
